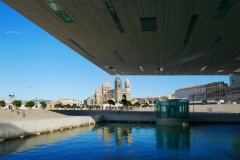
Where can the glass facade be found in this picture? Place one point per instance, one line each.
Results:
(80, 47)
(223, 9)
(214, 44)
(172, 108)
(59, 11)
(114, 16)
(119, 56)
(149, 24)
(188, 34)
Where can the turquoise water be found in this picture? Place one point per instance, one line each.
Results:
(129, 141)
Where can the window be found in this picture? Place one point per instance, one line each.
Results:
(188, 34)
(80, 47)
(114, 16)
(214, 44)
(149, 24)
(119, 56)
(223, 9)
(59, 11)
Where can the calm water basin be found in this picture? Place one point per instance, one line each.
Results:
(129, 141)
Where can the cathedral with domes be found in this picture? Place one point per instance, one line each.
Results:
(102, 95)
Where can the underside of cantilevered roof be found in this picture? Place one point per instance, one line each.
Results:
(144, 37)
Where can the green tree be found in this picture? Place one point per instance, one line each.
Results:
(74, 105)
(137, 104)
(129, 103)
(98, 107)
(124, 102)
(59, 105)
(146, 104)
(2, 103)
(68, 106)
(17, 103)
(30, 104)
(111, 102)
(204, 101)
(43, 104)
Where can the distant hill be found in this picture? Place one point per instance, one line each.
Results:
(39, 100)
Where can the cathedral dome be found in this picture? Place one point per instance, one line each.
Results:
(127, 81)
(106, 83)
(98, 89)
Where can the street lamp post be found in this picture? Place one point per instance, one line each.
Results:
(193, 101)
(30, 93)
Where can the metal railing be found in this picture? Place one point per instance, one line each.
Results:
(19, 111)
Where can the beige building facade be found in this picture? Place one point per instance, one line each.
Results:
(102, 95)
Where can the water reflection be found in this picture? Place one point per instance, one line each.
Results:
(167, 137)
(17, 145)
(173, 137)
(121, 133)
(130, 141)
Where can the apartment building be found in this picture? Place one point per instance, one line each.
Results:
(196, 92)
(216, 89)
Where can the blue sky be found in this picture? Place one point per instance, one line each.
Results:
(30, 57)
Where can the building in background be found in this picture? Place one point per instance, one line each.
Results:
(206, 91)
(151, 99)
(234, 80)
(89, 101)
(11, 98)
(66, 101)
(233, 92)
(169, 96)
(102, 95)
(199, 92)
(216, 89)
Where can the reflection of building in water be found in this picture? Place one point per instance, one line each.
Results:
(119, 132)
(235, 145)
(123, 132)
(172, 137)
(105, 131)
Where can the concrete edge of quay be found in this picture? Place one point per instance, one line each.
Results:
(35, 126)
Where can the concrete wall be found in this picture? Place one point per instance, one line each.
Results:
(215, 117)
(12, 128)
(100, 112)
(172, 121)
(130, 118)
(227, 108)
(20, 144)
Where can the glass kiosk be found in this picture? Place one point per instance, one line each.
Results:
(172, 112)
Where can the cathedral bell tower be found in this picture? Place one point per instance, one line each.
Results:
(118, 89)
(127, 84)
(127, 88)
(118, 83)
